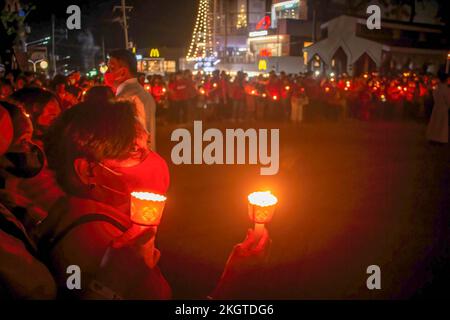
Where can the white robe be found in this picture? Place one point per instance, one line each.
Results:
(131, 90)
(438, 126)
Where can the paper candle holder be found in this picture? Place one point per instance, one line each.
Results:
(147, 208)
(261, 206)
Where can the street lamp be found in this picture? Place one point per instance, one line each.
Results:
(42, 63)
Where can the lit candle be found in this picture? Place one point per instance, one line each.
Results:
(147, 208)
(261, 208)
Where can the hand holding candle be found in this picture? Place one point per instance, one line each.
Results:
(261, 208)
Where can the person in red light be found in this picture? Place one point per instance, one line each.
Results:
(159, 93)
(286, 92)
(41, 105)
(59, 84)
(224, 94)
(273, 89)
(214, 94)
(192, 95)
(178, 96)
(238, 97)
(437, 131)
(395, 98)
(22, 275)
(364, 103)
(91, 227)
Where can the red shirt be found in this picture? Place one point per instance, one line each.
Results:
(238, 91)
(274, 89)
(178, 90)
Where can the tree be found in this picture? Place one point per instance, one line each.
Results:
(12, 28)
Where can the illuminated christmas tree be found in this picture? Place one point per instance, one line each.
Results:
(201, 47)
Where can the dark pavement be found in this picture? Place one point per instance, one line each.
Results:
(352, 194)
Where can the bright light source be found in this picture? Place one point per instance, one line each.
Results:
(43, 64)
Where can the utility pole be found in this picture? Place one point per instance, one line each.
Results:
(314, 24)
(226, 31)
(53, 46)
(125, 23)
(103, 48)
(124, 20)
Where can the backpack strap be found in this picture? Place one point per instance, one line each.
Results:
(12, 229)
(86, 219)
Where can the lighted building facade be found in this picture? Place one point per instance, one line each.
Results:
(347, 46)
(233, 20)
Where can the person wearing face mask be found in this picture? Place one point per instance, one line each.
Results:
(122, 76)
(22, 275)
(27, 187)
(100, 154)
(41, 105)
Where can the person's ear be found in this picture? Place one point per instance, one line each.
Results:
(83, 171)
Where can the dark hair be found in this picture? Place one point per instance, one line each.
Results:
(18, 117)
(126, 58)
(5, 82)
(34, 100)
(443, 76)
(99, 94)
(58, 80)
(93, 131)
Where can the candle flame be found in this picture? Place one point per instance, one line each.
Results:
(262, 199)
(149, 196)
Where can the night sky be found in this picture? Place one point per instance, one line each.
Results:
(152, 22)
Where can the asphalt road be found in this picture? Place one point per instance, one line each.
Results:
(351, 194)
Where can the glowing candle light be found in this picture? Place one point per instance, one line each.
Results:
(147, 208)
(288, 88)
(261, 208)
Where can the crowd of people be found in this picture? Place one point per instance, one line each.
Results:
(72, 149)
(184, 97)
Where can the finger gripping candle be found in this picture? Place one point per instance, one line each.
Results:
(147, 208)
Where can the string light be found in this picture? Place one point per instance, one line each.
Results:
(201, 44)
